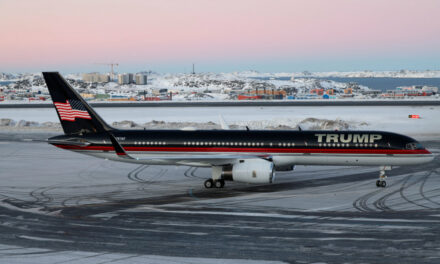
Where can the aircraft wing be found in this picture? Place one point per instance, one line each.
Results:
(62, 142)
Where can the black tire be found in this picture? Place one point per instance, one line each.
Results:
(209, 184)
(378, 183)
(223, 183)
(219, 184)
(383, 184)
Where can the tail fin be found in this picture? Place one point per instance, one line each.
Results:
(76, 116)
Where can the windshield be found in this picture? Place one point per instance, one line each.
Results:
(414, 145)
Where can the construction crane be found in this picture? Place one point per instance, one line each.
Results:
(112, 65)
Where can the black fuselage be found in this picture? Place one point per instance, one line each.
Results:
(238, 140)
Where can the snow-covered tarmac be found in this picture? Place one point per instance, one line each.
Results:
(63, 207)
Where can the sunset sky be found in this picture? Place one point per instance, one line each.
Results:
(219, 35)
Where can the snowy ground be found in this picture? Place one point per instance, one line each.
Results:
(89, 210)
(22, 255)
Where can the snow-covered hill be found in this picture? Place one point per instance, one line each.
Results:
(349, 74)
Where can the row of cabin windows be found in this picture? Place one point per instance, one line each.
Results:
(347, 145)
(149, 143)
(246, 144)
(252, 144)
(197, 143)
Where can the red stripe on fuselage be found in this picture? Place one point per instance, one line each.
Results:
(258, 150)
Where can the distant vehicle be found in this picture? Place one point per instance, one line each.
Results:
(234, 155)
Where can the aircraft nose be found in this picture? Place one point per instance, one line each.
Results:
(429, 157)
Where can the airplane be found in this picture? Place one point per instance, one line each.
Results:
(250, 156)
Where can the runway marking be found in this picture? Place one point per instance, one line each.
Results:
(274, 215)
(44, 239)
(142, 229)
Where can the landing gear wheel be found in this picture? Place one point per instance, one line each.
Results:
(378, 183)
(219, 183)
(382, 176)
(209, 183)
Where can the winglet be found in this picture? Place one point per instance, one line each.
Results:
(118, 148)
(223, 124)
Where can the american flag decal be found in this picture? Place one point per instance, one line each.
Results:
(72, 109)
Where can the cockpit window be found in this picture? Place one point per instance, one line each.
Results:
(414, 145)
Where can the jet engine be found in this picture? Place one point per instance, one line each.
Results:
(250, 171)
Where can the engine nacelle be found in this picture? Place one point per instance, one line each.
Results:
(250, 171)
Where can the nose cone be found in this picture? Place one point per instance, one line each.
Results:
(428, 156)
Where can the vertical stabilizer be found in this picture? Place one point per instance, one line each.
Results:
(75, 115)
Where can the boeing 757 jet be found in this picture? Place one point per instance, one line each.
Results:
(251, 156)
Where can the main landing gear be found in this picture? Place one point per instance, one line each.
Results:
(217, 180)
(381, 182)
(210, 183)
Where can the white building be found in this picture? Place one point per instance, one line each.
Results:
(95, 77)
(123, 78)
(141, 79)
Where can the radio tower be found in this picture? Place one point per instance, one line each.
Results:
(194, 71)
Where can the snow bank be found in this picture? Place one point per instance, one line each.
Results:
(7, 124)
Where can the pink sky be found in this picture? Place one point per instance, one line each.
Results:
(234, 33)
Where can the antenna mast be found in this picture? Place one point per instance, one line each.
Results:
(112, 72)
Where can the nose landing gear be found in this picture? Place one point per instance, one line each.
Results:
(381, 182)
